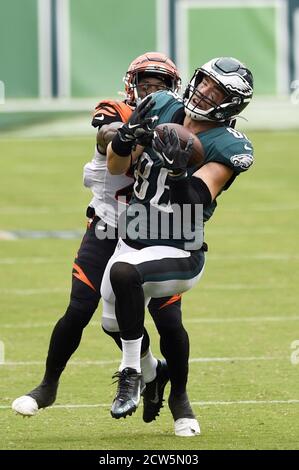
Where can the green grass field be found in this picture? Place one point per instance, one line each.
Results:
(242, 317)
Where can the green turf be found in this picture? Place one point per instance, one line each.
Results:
(246, 306)
(10, 122)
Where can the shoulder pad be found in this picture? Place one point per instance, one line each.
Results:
(234, 150)
(164, 99)
(108, 111)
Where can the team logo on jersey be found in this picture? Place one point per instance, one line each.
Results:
(243, 160)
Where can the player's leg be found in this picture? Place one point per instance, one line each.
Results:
(174, 345)
(88, 269)
(110, 324)
(152, 271)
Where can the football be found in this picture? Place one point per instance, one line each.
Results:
(197, 156)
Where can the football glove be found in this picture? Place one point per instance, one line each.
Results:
(174, 158)
(139, 129)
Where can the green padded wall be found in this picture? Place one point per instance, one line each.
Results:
(245, 33)
(105, 36)
(18, 48)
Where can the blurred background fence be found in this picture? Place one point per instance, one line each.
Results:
(61, 56)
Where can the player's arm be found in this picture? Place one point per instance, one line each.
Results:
(109, 116)
(117, 165)
(215, 176)
(131, 138)
(203, 186)
(105, 135)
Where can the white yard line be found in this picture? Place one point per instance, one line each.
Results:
(116, 361)
(238, 359)
(244, 319)
(255, 257)
(26, 210)
(235, 257)
(193, 403)
(245, 286)
(34, 260)
(39, 291)
(245, 402)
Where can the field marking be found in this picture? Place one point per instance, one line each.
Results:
(41, 234)
(238, 230)
(72, 210)
(245, 402)
(236, 257)
(78, 233)
(39, 291)
(241, 319)
(61, 290)
(193, 403)
(116, 361)
(255, 257)
(150, 322)
(240, 286)
(33, 260)
(22, 210)
(264, 208)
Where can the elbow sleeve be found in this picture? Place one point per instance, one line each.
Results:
(190, 191)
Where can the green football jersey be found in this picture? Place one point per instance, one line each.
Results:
(150, 204)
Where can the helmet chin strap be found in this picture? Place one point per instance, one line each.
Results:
(196, 116)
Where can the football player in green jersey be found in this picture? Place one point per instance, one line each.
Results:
(146, 74)
(154, 261)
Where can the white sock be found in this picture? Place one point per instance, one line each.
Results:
(149, 366)
(131, 354)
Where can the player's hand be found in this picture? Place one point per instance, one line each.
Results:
(174, 158)
(139, 129)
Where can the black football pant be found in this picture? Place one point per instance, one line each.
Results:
(88, 269)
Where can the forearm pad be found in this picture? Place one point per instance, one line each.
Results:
(189, 191)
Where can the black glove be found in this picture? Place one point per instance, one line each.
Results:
(139, 130)
(174, 158)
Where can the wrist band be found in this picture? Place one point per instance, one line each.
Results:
(178, 177)
(121, 148)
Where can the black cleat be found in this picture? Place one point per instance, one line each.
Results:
(130, 386)
(153, 393)
(42, 396)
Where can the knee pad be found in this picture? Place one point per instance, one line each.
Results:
(123, 275)
(109, 322)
